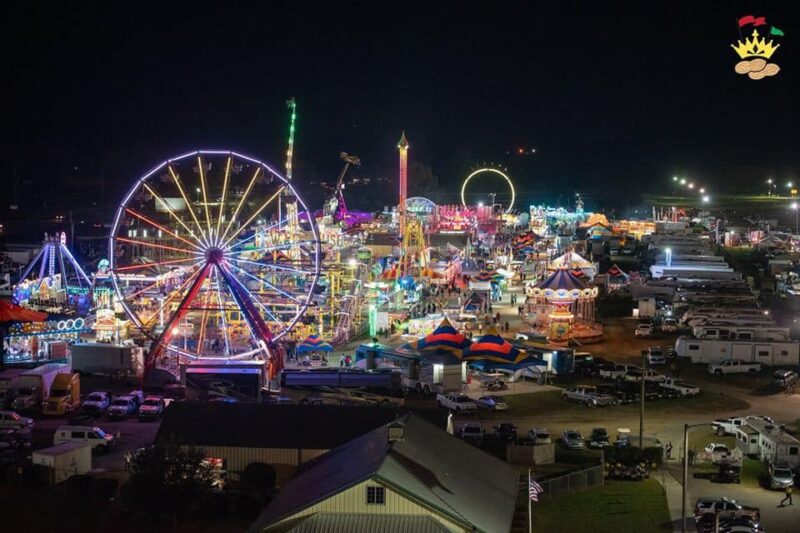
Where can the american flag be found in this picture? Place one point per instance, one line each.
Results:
(534, 489)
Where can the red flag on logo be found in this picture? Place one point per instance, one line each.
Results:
(750, 19)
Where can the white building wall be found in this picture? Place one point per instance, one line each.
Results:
(284, 460)
(354, 500)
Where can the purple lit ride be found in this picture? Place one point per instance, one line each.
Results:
(202, 264)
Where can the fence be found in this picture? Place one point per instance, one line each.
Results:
(573, 482)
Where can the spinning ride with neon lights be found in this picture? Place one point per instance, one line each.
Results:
(484, 171)
(200, 262)
(59, 272)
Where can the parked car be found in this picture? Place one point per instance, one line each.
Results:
(493, 403)
(152, 408)
(122, 407)
(11, 420)
(599, 438)
(587, 395)
(615, 390)
(539, 436)
(784, 378)
(456, 402)
(726, 507)
(649, 375)
(780, 476)
(669, 325)
(138, 397)
(506, 432)
(655, 357)
(97, 403)
(644, 330)
(572, 439)
(717, 452)
(728, 473)
(98, 439)
(472, 431)
(707, 524)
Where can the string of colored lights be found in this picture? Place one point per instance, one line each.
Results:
(241, 201)
(269, 248)
(188, 204)
(255, 233)
(271, 265)
(268, 284)
(200, 169)
(254, 215)
(222, 307)
(290, 150)
(224, 192)
(154, 245)
(159, 263)
(170, 211)
(162, 228)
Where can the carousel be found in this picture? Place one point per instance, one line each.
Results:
(562, 308)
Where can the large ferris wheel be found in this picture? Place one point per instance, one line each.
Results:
(206, 262)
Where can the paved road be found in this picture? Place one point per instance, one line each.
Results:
(132, 435)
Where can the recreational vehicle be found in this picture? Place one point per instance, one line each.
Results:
(769, 353)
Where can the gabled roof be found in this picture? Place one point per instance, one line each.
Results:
(356, 522)
(268, 426)
(428, 466)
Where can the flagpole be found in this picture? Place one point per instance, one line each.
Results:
(530, 519)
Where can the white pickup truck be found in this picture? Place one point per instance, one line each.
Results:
(684, 388)
(732, 366)
(727, 426)
(615, 371)
(456, 402)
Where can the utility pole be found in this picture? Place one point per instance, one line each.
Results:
(641, 405)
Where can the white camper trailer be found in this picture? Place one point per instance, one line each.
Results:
(714, 351)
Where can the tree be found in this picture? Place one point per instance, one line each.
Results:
(169, 480)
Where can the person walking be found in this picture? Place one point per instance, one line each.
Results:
(669, 450)
(787, 497)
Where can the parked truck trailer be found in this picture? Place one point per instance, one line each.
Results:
(9, 383)
(112, 359)
(34, 386)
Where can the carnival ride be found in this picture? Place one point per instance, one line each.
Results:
(56, 284)
(489, 170)
(217, 276)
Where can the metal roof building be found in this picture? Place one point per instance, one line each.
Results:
(408, 468)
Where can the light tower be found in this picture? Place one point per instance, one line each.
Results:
(403, 146)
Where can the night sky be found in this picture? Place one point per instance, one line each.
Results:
(616, 98)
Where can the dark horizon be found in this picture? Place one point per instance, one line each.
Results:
(615, 99)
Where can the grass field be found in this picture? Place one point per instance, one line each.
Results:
(617, 507)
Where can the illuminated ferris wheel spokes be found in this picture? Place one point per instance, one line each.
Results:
(219, 276)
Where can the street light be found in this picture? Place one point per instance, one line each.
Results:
(686, 471)
(702, 190)
(674, 178)
(691, 185)
(706, 199)
(683, 181)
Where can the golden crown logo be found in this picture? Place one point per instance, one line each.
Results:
(755, 53)
(755, 48)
